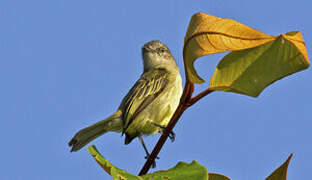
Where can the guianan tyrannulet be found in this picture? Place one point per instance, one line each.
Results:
(148, 106)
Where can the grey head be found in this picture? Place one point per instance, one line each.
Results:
(157, 55)
(155, 46)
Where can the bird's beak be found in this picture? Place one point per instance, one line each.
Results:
(146, 49)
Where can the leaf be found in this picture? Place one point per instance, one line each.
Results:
(182, 171)
(256, 61)
(281, 172)
(115, 172)
(208, 34)
(214, 176)
(250, 71)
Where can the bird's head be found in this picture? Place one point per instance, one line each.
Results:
(157, 55)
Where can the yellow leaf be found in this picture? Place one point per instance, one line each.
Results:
(256, 61)
(281, 172)
(208, 34)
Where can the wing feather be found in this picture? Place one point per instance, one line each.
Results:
(144, 91)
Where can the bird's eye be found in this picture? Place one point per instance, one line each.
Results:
(161, 50)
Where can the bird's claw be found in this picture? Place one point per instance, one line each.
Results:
(154, 162)
(172, 136)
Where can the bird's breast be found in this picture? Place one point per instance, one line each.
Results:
(162, 108)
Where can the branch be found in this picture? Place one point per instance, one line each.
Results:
(199, 96)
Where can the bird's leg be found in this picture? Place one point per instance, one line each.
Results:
(171, 134)
(146, 151)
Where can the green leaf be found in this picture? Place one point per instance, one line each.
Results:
(250, 71)
(182, 171)
(115, 172)
(281, 172)
(214, 176)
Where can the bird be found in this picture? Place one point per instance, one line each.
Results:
(148, 106)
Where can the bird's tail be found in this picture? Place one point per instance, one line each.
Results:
(86, 135)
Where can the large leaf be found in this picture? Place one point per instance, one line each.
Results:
(182, 171)
(281, 172)
(256, 60)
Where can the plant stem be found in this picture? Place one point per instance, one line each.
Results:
(194, 99)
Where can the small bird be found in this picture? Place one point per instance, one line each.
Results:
(148, 106)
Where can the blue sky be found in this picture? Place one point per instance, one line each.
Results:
(65, 65)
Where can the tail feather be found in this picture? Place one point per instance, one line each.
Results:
(86, 135)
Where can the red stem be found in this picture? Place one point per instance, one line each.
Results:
(196, 98)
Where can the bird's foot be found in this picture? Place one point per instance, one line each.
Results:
(154, 162)
(171, 134)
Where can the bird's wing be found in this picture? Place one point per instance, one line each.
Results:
(144, 91)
